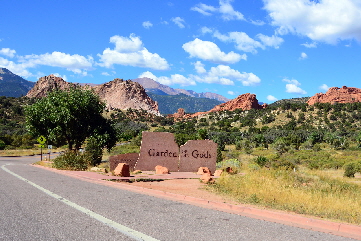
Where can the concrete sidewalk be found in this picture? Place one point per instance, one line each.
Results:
(287, 218)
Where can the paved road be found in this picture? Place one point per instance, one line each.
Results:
(36, 204)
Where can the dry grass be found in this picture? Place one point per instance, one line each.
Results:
(314, 193)
(26, 152)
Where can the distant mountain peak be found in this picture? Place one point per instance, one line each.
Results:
(12, 85)
(155, 87)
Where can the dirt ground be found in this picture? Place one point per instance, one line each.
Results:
(187, 187)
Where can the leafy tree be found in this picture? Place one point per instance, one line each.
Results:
(69, 117)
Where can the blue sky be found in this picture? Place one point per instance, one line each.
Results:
(275, 49)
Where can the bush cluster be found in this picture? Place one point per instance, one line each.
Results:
(72, 160)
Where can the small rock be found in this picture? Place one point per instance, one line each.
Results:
(206, 178)
(217, 173)
(229, 170)
(203, 170)
(122, 170)
(137, 172)
(161, 170)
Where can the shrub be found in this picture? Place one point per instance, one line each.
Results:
(2, 145)
(352, 168)
(72, 160)
(94, 151)
(261, 161)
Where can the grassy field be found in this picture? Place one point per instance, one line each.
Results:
(320, 192)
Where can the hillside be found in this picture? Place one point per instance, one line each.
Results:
(169, 104)
(12, 85)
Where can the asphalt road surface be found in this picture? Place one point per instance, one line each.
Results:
(36, 204)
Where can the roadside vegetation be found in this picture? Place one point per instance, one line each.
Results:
(289, 156)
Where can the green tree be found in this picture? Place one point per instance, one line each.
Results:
(69, 117)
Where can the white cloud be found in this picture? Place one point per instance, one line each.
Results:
(220, 74)
(245, 43)
(231, 92)
(173, 79)
(324, 87)
(271, 98)
(293, 87)
(19, 69)
(7, 52)
(225, 9)
(303, 56)
(147, 24)
(324, 20)
(205, 30)
(207, 50)
(75, 63)
(105, 74)
(130, 51)
(310, 45)
(204, 9)
(199, 67)
(224, 75)
(179, 22)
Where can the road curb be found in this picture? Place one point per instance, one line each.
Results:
(295, 220)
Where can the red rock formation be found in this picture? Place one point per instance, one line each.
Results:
(337, 95)
(117, 94)
(245, 102)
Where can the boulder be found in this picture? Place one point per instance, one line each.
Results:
(218, 173)
(203, 170)
(161, 170)
(122, 170)
(206, 178)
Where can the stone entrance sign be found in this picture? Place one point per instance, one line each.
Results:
(198, 153)
(130, 159)
(158, 148)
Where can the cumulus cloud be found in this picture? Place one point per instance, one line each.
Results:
(247, 44)
(131, 52)
(76, 63)
(16, 68)
(326, 20)
(225, 75)
(209, 51)
(271, 98)
(324, 87)
(303, 56)
(293, 87)
(173, 79)
(147, 24)
(220, 74)
(179, 22)
(7, 52)
(225, 9)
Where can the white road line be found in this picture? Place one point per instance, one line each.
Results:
(121, 228)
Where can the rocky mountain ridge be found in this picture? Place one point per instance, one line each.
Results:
(337, 95)
(117, 94)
